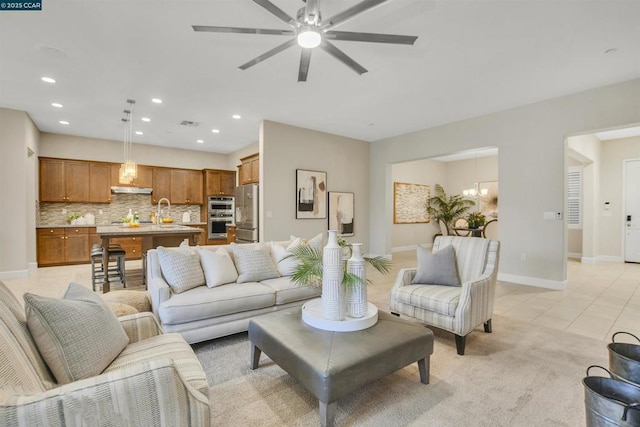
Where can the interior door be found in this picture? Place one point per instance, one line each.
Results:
(632, 211)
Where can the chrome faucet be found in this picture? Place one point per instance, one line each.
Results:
(159, 214)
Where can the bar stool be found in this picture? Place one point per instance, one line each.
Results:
(117, 271)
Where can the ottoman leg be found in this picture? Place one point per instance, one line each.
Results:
(255, 356)
(327, 413)
(423, 367)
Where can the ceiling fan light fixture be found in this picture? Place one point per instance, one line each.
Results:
(309, 38)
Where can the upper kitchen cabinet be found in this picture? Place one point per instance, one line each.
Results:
(250, 169)
(219, 182)
(186, 187)
(144, 178)
(161, 184)
(99, 182)
(64, 180)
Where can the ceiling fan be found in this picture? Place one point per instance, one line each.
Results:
(310, 30)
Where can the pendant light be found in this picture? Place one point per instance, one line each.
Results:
(128, 169)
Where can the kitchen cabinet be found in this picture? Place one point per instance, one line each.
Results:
(57, 246)
(132, 246)
(161, 184)
(99, 182)
(231, 234)
(144, 178)
(200, 239)
(186, 187)
(250, 169)
(63, 180)
(219, 182)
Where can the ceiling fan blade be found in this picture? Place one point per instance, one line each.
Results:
(342, 57)
(369, 37)
(275, 10)
(305, 59)
(240, 30)
(268, 54)
(347, 14)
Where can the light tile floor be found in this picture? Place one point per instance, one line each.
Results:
(600, 299)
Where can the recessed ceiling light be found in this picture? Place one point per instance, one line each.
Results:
(215, 130)
(200, 141)
(139, 133)
(63, 122)
(237, 116)
(156, 101)
(48, 79)
(56, 104)
(145, 119)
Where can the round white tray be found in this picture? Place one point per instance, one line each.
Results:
(312, 316)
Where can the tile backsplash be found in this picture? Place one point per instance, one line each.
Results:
(51, 213)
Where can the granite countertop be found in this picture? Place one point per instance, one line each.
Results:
(116, 225)
(146, 229)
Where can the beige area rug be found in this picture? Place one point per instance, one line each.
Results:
(520, 375)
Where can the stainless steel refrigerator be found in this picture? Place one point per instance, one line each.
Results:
(247, 213)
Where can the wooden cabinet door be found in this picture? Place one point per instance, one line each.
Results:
(255, 170)
(76, 245)
(194, 187)
(52, 188)
(179, 185)
(161, 184)
(228, 183)
(145, 177)
(132, 246)
(76, 181)
(250, 171)
(213, 182)
(50, 246)
(100, 182)
(246, 173)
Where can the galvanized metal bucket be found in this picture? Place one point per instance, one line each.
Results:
(624, 360)
(610, 402)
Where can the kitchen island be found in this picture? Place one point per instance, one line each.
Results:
(152, 236)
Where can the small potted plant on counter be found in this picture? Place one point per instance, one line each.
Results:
(476, 219)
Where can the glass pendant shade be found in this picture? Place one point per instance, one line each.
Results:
(128, 169)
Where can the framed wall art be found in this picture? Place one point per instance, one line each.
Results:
(311, 194)
(410, 203)
(488, 204)
(341, 213)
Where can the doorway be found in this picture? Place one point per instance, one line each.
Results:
(632, 210)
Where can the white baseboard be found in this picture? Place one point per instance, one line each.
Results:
(587, 260)
(558, 285)
(574, 255)
(13, 274)
(32, 266)
(601, 258)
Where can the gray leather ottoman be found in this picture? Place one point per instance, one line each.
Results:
(332, 364)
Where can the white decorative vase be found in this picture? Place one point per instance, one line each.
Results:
(333, 298)
(356, 294)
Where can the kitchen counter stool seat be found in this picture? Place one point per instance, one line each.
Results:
(116, 271)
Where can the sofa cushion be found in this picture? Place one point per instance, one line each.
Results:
(439, 299)
(254, 263)
(217, 266)
(204, 303)
(169, 346)
(437, 268)
(78, 336)
(286, 266)
(181, 268)
(287, 291)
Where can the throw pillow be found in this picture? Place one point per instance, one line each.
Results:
(218, 267)
(286, 266)
(316, 241)
(181, 268)
(78, 336)
(437, 268)
(254, 263)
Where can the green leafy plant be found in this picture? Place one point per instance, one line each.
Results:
(476, 219)
(72, 216)
(447, 208)
(309, 269)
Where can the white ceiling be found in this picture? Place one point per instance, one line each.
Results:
(471, 58)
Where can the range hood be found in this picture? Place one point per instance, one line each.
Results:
(131, 190)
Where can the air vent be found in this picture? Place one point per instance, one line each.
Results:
(190, 123)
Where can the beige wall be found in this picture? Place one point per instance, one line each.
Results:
(532, 166)
(19, 144)
(612, 171)
(286, 148)
(77, 147)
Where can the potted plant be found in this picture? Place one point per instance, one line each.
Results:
(476, 219)
(447, 208)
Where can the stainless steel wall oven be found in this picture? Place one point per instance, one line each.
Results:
(221, 212)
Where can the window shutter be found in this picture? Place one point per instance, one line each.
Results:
(574, 197)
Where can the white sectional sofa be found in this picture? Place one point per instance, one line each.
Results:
(201, 312)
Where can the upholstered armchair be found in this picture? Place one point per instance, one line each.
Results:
(457, 308)
(155, 380)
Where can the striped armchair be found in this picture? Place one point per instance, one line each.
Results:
(452, 308)
(156, 380)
